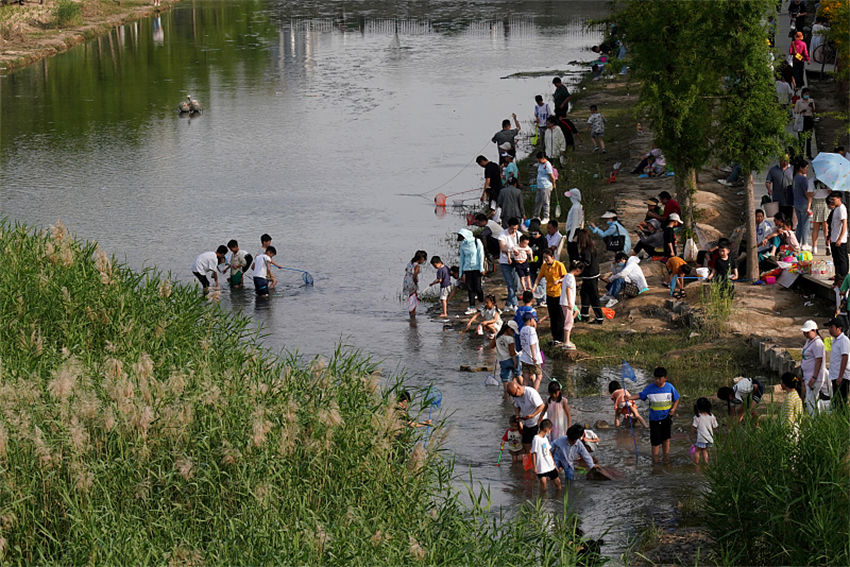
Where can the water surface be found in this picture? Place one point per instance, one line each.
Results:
(322, 118)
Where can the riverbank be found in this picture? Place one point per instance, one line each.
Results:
(33, 31)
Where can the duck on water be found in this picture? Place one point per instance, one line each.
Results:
(189, 106)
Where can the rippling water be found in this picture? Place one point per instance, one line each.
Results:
(322, 118)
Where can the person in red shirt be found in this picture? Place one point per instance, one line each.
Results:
(671, 205)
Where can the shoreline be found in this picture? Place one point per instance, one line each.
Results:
(32, 38)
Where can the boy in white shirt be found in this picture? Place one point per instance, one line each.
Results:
(263, 273)
(541, 456)
(568, 300)
(530, 358)
(838, 358)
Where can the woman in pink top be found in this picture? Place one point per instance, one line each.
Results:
(799, 57)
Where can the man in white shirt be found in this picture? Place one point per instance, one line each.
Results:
(838, 362)
(554, 143)
(207, 263)
(507, 242)
(529, 409)
(553, 235)
(838, 234)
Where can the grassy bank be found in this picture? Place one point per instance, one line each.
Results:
(142, 424)
(34, 31)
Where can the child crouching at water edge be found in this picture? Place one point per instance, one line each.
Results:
(623, 406)
(703, 426)
(541, 456)
(506, 353)
(491, 320)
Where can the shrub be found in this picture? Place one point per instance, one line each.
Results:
(67, 13)
(777, 500)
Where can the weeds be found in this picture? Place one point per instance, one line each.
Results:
(67, 13)
(775, 499)
(716, 299)
(696, 368)
(141, 424)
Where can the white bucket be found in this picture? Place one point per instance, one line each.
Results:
(702, 273)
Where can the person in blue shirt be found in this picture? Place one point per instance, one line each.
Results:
(510, 169)
(663, 401)
(519, 317)
(614, 229)
(568, 449)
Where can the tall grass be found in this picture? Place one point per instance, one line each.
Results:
(142, 424)
(716, 300)
(775, 499)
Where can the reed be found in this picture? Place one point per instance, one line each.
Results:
(779, 499)
(142, 424)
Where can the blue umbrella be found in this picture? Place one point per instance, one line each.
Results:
(833, 170)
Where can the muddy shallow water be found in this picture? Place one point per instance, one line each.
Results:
(321, 120)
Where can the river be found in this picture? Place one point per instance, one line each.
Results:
(321, 120)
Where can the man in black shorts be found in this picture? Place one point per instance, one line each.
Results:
(529, 409)
(663, 401)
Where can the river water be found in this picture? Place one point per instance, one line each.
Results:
(321, 119)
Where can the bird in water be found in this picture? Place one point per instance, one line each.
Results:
(189, 106)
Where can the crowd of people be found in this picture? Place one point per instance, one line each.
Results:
(528, 247)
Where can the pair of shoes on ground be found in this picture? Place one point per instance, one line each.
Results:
(612, 302)
(470, 311)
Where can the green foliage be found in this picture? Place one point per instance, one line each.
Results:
(716, 300)
(752, 123)
(67, 13)
(670, 47)
(775, 499)
(141, 424)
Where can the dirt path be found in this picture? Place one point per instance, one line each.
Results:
(29, 33)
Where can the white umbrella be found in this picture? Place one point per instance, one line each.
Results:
(833, 170)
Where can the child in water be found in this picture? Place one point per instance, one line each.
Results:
(541, 456)
(703, 426)
(622, 405)
(513, 438)
(558, 411)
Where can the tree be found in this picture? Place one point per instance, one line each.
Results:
(670, 48)
(751, 123)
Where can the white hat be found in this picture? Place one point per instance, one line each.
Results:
(609, 215)
(506, 145)
(809, 326)
(574, 192)
(675, 217)
(512, 324)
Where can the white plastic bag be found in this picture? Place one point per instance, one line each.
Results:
(691, 251)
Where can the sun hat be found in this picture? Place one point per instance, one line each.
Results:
(809, 326)
(674, 217)
(506, 145)
(512, 324)
(653, 201)
(609, 215)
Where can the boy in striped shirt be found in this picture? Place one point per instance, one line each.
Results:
(663, 401)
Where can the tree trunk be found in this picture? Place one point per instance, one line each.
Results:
(752, 247)
(686, 186)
